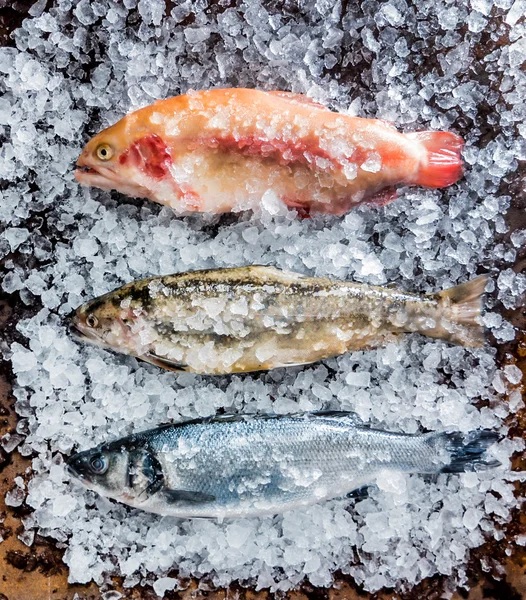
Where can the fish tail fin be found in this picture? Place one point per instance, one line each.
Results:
(442, 165)
(460, 310)
(459, 452)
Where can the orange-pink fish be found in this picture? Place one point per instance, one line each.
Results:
(221, 150)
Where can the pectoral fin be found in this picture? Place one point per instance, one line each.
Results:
(164, 363)
(381, 198)
(175, 496)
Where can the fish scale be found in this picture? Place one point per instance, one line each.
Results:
(239, 467)
(221, 150)
(257, 318)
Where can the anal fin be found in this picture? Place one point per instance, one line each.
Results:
(382, 197)
(164, 363)
(301, 208)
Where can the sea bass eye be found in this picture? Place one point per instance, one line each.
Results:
(92, 321)
(98, 464)
(104, 152)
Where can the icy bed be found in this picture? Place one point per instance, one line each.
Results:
(80, 67)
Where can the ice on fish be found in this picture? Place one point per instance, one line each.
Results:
(221, 150)
(235, 467)
(255, 318)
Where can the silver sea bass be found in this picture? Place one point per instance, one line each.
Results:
(240, 467)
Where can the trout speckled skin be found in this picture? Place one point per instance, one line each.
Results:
(220, 150)
(242, 467)
(257, 318)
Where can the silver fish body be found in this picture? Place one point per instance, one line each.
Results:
(258, 318)
(233, 467)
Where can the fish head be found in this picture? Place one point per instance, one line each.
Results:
(119, 470)
(128, 157)
(105, 323)
(99, 470)
(99, 164)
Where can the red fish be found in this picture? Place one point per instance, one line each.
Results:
(220, 150)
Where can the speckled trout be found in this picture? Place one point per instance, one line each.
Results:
(257, 318)
(240, 467)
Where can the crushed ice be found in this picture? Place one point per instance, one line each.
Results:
(81, 66)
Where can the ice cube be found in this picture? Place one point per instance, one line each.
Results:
(164, 584)
(237, 534)
(471, 518)
(358, 379)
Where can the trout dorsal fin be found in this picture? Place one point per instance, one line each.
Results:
(299, 99)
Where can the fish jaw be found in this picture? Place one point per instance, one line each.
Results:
(90, 176)
(82, 333)
(108, 178)
(76, 468)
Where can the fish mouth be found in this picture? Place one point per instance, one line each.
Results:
(108, 178)
(70, 469)
(73, 463)
(84, 169)
(99, 176)
(81, 334)
(74, 328)
(76, 333)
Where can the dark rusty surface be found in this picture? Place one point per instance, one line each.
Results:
(497, 570)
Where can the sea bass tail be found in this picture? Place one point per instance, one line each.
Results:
(459, 452)
(461, 307)
(443, 165)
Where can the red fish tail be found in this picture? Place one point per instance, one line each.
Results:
(443, 166)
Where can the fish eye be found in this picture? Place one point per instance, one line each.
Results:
(92, 321)
(104, 152)
(98, 464)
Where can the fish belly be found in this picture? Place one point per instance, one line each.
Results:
(263, 330)
(218, 181)
(305, 343)
(232, 150)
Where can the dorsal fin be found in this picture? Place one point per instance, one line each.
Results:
(298, 98)
(338, 414)
(235, 418)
